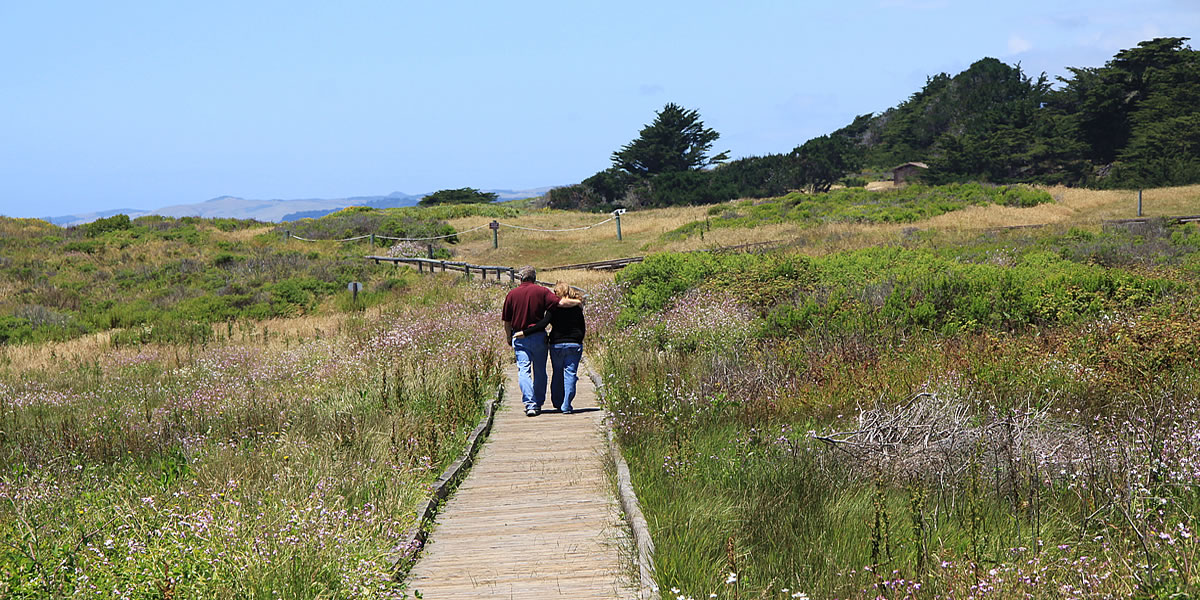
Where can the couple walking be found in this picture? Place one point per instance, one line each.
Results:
(527, 311)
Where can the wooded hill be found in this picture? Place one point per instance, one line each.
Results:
(1134, 122)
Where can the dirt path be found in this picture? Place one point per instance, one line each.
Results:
(535, 518)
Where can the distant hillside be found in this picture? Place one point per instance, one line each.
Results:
(274, 210)
(67, 220)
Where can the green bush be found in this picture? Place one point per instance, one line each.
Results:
(107, 224)
(892, 290)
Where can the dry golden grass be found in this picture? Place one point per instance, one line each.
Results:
(640, 232)
(1076, 207)
(267, 334)
(282, 330)
(241, 235)
(643, 230)
(53, 355)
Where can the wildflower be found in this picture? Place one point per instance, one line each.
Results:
(800, 595)
(731, 579)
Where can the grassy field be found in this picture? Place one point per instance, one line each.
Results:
(643, 231)
(278, 459)
(195, 408)
(955, 413)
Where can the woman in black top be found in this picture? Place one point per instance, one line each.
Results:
(567, 329)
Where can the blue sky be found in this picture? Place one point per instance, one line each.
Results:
(147, 104)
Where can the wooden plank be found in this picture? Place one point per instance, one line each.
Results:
(535, 518)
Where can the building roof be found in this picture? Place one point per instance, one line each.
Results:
(920, 165)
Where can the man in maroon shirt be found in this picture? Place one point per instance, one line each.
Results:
(524, 306)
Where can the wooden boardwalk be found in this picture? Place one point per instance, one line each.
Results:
(535, 517)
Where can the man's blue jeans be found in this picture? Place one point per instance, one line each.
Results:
(531, 369)
(565, 358)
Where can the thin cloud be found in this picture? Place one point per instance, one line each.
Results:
(1018, 44)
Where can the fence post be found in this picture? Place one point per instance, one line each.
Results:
(287, 234)
(430, 251)
(1139, 203)
(372, 240)
(495, 227)
(618, 215)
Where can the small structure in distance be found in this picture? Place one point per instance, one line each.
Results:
(906, 170)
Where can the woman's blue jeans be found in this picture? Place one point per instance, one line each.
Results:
(565, 360)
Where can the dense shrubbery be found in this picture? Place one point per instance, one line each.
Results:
(458, 196)
(1005, 415)
(892, 291)
(158, 278)
(358, 221)
(407, 222)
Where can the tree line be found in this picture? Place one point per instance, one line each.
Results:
(1134, 122)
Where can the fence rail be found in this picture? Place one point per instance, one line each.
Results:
(433, 265)
(1146, 220)
(449, 265)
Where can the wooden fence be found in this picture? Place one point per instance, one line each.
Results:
(433, 265)
(1147, 220)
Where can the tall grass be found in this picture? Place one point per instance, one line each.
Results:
(264, 465)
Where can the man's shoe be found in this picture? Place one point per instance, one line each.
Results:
(530, 412)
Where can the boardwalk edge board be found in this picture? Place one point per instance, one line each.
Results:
(404, 555)
(632, 510)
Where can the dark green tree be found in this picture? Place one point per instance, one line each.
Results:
(459, 196)
(677, 140)
(821, 161)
